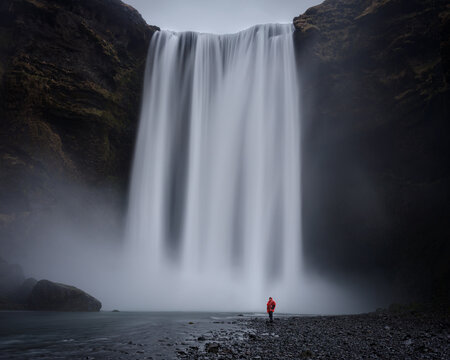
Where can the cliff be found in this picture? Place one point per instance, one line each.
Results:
(71, 73)
(375, 77)
(376, 149)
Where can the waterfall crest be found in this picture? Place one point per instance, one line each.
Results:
(215, 197)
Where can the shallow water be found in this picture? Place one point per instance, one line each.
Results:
(104, 335)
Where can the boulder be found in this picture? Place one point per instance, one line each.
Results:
(212, 348)
(8, 304)
(50, 296)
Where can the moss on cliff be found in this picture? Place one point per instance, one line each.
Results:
(70, 85)
(376, 172)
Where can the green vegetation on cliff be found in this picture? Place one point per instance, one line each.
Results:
(71, 74)
(376, 149)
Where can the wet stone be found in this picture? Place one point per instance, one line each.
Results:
(349, 337)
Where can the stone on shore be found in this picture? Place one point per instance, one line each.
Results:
(50, 296)
(410, 332)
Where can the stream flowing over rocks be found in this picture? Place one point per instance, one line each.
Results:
(380, 335)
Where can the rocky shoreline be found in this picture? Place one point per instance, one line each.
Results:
(378, 335)
(394, 334)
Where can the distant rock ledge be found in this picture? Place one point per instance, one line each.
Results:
(47, 295)
(18, 293)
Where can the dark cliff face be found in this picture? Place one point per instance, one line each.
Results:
(376, 149)
(71, 75)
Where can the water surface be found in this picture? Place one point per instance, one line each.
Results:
(104, 335)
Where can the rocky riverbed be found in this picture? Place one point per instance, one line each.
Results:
(379, 335)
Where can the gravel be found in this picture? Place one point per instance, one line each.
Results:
(379, 335)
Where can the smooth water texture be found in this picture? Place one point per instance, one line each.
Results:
(215, 204)
(104, 335)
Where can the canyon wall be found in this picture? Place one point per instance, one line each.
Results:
(71, 74)
(376, 149)
(376, 169)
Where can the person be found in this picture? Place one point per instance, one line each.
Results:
(271, 308)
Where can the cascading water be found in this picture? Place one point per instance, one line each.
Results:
(215, 200)
(214, 219)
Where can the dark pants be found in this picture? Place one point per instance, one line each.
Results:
(271, 316)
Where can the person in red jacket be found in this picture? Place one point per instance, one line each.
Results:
(271, 308)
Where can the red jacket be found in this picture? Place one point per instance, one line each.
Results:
(271, 305)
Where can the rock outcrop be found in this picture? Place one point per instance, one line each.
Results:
(50, 296)
(71, 75)
(29, 294)
(376, 149)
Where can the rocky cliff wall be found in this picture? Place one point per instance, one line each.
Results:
(376, 149)
(375, 74)
(71, 73)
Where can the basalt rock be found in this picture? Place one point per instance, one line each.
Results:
(376, 149)
(71, 75)
(50, 296)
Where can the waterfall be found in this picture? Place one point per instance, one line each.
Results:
(214, 219)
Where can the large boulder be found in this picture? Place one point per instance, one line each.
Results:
(50, 296)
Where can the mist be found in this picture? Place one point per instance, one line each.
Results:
(224, 178)
(119, 252)
(83, 241)
(84, 246)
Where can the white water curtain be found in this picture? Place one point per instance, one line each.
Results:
(214, 219)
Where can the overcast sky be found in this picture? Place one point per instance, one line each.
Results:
(218, 16)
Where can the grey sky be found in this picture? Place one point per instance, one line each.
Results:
(218, 16)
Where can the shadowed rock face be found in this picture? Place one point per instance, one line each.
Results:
(375, 73)
(70, 82)
(70, 85)
(47, 295)
(19, 294)
(376, 169)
